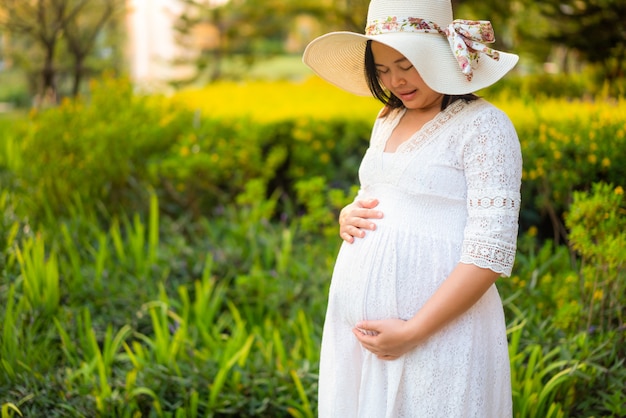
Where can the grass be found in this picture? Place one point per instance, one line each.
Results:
(283, 67)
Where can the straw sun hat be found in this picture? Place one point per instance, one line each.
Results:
(450, 55)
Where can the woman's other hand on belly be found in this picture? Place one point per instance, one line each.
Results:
(388, 339)
(356, 218)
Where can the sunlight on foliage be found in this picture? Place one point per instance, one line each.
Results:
(266, 102)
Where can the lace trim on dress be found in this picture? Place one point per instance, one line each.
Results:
(492, 202)
(420, 137)
(496, 256)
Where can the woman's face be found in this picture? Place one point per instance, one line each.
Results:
(402, 79)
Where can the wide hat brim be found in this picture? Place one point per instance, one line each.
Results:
(339, 58)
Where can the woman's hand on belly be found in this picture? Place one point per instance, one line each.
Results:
(355, 219)
(388, 339)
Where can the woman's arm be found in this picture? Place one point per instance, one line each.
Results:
(391, 338)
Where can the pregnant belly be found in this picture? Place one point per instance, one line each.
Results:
(361, 289)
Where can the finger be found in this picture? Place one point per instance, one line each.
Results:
(365, 338)
(346, 237)
(366, 214)
(368, 203)
(351, 231)
(371, 326)
(358, 223)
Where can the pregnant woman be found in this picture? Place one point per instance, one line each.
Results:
(415, 325)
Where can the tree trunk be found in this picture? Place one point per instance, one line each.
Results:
(79, 70)
(47, 95)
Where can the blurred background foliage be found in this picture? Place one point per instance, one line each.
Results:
(57, 45)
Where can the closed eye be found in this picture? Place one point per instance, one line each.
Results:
(381, 69)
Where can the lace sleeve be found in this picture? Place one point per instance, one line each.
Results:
(493, 170)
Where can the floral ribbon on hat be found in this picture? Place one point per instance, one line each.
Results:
(467, 38)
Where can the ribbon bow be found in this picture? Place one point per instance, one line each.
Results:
(467, 39)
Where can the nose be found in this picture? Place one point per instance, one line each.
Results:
(397, 79)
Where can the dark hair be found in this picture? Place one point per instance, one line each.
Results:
(388, 98)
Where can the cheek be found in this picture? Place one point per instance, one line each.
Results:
(385, 80)
(417, 80)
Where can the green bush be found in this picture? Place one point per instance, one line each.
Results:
(567, 152)
(586, 84)
(112, 146)
(213, 162)
(597, 232)
(95, 148)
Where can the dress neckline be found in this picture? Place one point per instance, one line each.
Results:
(421, 136)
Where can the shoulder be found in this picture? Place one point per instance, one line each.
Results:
(387, 116)
(389, 113)
(488, 130)
(485, 115)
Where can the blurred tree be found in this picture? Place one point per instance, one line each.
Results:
(595, 28)
(41, 28)
(212, 30)
(249, 29)
(505, 17)
(82, 31)
(349, 15)
(42, 23)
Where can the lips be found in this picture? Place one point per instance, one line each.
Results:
(406, 95)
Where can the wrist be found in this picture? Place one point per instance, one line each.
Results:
(414, 332)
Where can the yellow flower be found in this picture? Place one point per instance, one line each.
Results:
(598, 295)
(619, 190)
(606, 162)
(532, 231)
(592, 158)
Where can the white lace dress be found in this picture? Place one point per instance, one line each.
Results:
(449, 194)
